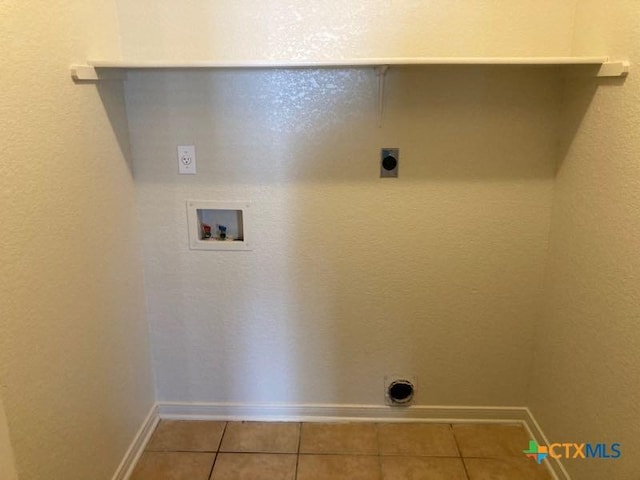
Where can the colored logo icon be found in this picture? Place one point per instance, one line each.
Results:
(537, 452)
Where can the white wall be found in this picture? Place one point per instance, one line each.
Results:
(586, 384)
(298, 29)
(74, 358)
(351, 277)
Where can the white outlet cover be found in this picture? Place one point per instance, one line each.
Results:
(187, 159)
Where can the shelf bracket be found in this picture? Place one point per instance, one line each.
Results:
(88, 73)
(381, 72)
(614, 69)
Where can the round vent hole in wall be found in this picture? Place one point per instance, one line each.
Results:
(400, 392)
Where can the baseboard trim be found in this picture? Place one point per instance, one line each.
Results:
(554, 465)
(329, 412)
(138, 444)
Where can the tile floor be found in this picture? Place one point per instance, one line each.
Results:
(204, 450)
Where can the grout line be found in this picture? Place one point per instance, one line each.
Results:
(181, 451)
(395, 455)
(250, 452)
(213, 465)
(464, 465)
(492, 457)
(352, 454)
(295, 476)
(455, 440)
(215, 459)
(375, 425)
(224, 430)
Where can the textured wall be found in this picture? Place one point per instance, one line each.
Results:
(586, 384)
(351, 277)
(74, 358)
(7, 462)
(298, 29)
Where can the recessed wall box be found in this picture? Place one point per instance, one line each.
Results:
(218, 225)
(389, 158)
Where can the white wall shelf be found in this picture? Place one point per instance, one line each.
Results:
(97, 70)
(105, 69)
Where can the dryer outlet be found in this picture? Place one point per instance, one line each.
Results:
(400, 390)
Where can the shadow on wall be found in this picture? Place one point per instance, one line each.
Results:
(112, 97)
(352, 277)
(580, 87)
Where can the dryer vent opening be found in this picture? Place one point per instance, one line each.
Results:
(400, 392)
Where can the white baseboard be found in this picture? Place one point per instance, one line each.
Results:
(553, 464)
(138, 444)
(351, 413)
(328, 412)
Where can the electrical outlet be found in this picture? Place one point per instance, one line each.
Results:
(187, 159)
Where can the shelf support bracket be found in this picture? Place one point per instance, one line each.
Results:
(381, 72)
(88, 73)
(614, 69)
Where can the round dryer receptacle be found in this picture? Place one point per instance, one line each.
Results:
(400, 392)
(389, 162)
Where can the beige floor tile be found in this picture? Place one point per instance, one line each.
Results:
(417, 439)
(491, 440)
(173, 466)
(507, 468)
(339, 438)
(266, 437)
(338, 467)
(422, 468)
(186, 436)
(254, 466)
